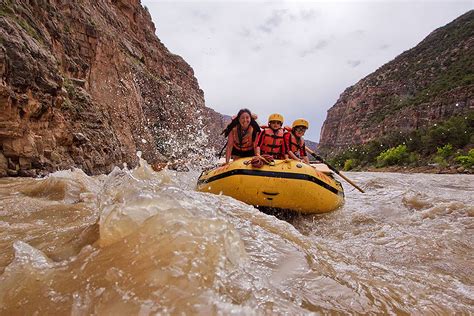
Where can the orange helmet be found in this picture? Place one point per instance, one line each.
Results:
(276, 117)
(300, 122)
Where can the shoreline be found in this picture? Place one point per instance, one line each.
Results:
(420, 169)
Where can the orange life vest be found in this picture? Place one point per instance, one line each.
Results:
(293, 145)
(271, 143)
(243, 139)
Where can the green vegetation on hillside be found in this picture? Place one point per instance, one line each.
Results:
(14, 11)
(442, 62)
(443, 143)
(460, 73)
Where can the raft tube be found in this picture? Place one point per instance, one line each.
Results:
(289, 185)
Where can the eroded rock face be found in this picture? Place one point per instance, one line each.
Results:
(424, 85)
(87, 84)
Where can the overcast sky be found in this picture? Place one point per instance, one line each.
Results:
(291, 57)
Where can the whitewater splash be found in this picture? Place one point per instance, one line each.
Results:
(144, 242)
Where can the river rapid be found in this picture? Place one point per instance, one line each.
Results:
(144, 242)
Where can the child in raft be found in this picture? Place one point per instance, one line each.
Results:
(294, 142)
(270, 139)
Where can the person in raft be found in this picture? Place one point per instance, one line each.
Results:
(241, 134)
(270, 139)
(294, 142)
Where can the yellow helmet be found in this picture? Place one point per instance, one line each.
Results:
(276, 117)
(300, 122)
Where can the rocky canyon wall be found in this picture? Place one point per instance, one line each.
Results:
(424, 85)
(87, 84)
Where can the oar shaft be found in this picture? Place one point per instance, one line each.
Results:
(350, 182)
(334, 169)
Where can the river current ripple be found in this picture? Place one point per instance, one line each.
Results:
(141, 242)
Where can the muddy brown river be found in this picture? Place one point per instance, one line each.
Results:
(136, 242)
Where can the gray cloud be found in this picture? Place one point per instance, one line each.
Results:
(304, 15)
(357, 33)
(204, 16)
(354, 63)
(308, 15)
(384, 46)
(314, 48)
(265, 29)
(245, 32)
(273, 21)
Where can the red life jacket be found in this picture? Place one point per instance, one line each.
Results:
(243, 139)
(293, 145)
(271, 143)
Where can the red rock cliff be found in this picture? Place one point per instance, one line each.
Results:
(87, 84)
(426, 84)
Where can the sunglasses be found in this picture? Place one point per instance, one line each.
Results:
(300, 129)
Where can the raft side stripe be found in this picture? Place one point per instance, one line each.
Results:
(271, 174)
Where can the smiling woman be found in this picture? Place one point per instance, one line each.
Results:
(241, 133)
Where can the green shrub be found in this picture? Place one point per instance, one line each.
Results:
(440, 160)
(350, 164)
(442, 155)
(467, 161)
(414, 158)
(456, 131)
(446, 151)
(393, 156)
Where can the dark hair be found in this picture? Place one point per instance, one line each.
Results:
(293, 133)
(235, 122)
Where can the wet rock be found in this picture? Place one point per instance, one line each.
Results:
(80, 138)
(78, 82)
(24, 163)
(12, 173)
(27, 173)
(38, 141)
(13, 164)
(158, 166)
(11, 147)
(55, 156)
(3, 165)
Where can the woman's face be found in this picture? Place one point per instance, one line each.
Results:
(244, 120)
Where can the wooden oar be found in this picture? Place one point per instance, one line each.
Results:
(334, 169)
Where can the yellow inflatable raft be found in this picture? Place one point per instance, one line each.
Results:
(288, 185)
